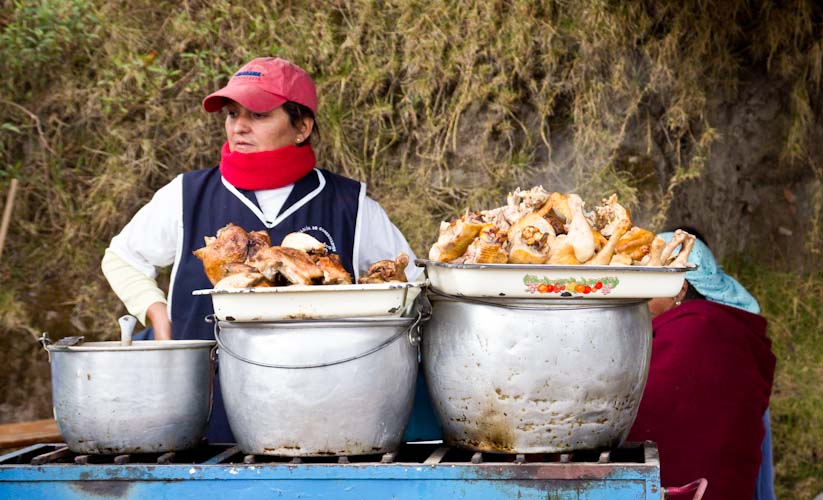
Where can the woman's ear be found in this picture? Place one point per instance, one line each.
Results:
(306, 126)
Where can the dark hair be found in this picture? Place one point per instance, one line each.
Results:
(692, 293)
(297, 112)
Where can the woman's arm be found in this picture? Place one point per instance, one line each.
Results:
(138, 292)
(158, 315)
(147, 242)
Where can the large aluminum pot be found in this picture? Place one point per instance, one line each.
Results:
(536, 376)
(151, 396)
(321, 387)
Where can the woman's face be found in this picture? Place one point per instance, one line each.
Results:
(250, 132)
(660, 305)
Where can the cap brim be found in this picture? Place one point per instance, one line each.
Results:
(250, 97)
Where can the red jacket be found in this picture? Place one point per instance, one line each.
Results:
(709, 383)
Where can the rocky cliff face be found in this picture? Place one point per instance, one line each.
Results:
(748, 200)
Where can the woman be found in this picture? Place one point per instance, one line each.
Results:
(267, 180)
(709, 382)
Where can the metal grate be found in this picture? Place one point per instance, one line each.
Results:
(410, 453)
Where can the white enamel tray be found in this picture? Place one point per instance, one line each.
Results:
(537, 281)
(312, 302)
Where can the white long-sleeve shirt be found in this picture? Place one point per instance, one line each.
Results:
(153, 239)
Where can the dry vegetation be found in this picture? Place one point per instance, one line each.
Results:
(437, 105)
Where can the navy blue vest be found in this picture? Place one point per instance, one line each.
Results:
(330, 216)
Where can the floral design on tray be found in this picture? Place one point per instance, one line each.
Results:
(568, 287)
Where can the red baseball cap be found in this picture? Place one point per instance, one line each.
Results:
(264, 84)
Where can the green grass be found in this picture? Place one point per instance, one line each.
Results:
(792, 305)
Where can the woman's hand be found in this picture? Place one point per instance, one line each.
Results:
(158, 316)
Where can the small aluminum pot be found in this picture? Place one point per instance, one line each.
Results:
(536, 376)
(152, 396)
(322, 387)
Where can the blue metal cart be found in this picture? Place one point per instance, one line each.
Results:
(416, 471)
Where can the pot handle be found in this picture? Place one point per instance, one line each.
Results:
(222, 347)
(44, 342)
(698, 486)
(424, 313)
(212, 360)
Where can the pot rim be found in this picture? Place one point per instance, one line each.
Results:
(137, 345)
(574, 303)
(320, 323)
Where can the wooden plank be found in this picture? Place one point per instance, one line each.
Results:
(436, 456)
(50, 456)
(26, 433)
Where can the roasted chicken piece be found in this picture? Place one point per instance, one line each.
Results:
(528, 200)
(487, 248)
(283, 265)
(258, 240)
(679, 239)
(653, 258)
(620, 259)
(560, 206)
(501, 217)
(530, 239)
(518, 204)
(609, 214)
(455, 237)
(562, 252)
(682, 257)
(579, 233)
(305, 242)
(604, 256)
(242, 279)
(636, 243)
(231, 245)
(385, 271)
(662, 253)
(333, 271)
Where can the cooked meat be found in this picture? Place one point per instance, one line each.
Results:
(682, 258)
(258, 240)
(385, 271)
(529, 200)
(560, 206)
(653, 258)
(579, 233)
(333, 271)
(487, 248)
(530, 240)
(243, 279)
(499, 217)
(557, 224)
(562, 252)
(536, 227)
(295, 266)
(678, 239)
(620, 259)
(455, 237)
(636, 243)
(230, 246)
(609, 214)
(604, 256)
(302, 241)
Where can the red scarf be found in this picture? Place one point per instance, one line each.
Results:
(266, 169)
